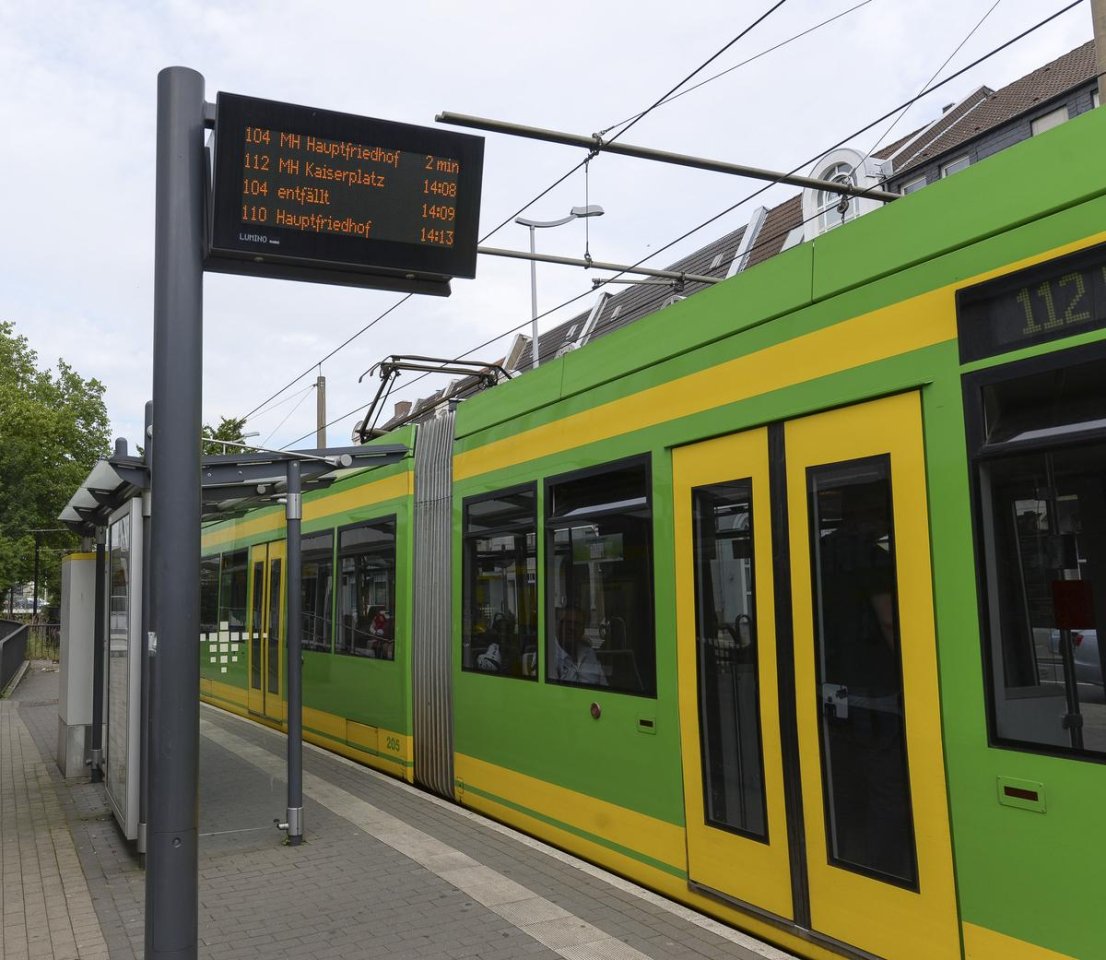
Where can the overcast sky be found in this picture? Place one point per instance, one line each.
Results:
(78, 101)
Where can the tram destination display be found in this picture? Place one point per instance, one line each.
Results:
(1041, 303)
(310, 194)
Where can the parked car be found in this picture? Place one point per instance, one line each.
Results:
(1088, 664)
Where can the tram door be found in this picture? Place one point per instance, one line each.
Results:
(266, 630)
(813, 766)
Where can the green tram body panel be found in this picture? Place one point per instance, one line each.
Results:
(1018, 872)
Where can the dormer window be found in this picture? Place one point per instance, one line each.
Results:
(829, 203)
(821, 206)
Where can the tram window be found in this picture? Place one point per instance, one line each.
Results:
(367, 590)
(1044, 536)
(1039, 428)
(256, 607)
(599, 580)
(209, 595)
(273, 652)
(317, 590)
(232, 593)
(726, 658)
(499, 630)
(866, 799)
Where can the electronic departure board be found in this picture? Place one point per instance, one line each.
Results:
(1056, 299)
(311, 194)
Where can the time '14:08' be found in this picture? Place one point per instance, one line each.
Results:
(440, 188)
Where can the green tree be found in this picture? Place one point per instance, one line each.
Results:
(53, 429)
(230, 428)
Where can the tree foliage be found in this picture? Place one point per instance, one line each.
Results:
(230, 428)
(53, 429)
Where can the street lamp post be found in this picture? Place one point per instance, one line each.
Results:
(591, 210)
(37, 534)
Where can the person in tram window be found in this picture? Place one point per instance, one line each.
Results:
(574, 659)
(865, 741)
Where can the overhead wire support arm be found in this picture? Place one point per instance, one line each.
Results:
(597, 143)
(488, 373)
(591, 264)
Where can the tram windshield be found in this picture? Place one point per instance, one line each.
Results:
(1044, 529)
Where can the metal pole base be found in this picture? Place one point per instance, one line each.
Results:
(294, 825)
(97, 764)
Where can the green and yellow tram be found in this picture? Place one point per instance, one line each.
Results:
(781, 601)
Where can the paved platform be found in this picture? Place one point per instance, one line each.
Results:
(385, 870)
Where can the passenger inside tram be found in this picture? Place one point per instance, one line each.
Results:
(864, 748)
(574, 659)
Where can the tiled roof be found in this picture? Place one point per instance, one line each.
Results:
(986, 109)
(979, 112)
(781, 220)
(635, 301)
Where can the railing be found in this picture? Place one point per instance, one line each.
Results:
(13, 646)
(44, 641)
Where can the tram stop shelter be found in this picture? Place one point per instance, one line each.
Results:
(106, 599)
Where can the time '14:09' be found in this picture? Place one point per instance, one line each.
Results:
(438, 211)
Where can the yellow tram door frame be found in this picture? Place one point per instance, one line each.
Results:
(852, 903)
(918, 923)
(265, 629)
(276, 588)
(256, 632)
(752, 869)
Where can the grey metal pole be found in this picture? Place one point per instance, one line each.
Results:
(98, 659)
(320, 412)
(293, 630)
(172, 875)
(34, 604)
(533, 303)
(1098, 22)
(595, 142)
(147, 604)
(593, 265)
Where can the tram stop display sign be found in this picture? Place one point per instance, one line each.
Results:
(307, 194)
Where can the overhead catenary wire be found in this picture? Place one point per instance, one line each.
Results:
(743, 63)
(286, 416)
(758, 192)
(699, 69)
(318, 363)
(764, 241)
(556, 183)
(936, 73)
(261, 411)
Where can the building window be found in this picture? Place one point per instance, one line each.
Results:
(599, 580)
(316, 590)
(911, 186)
(1041, 523)
(1094, 98)
(827, 201)
(499, 631)
(955, 166)
(367, 590)
(1050, 120)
